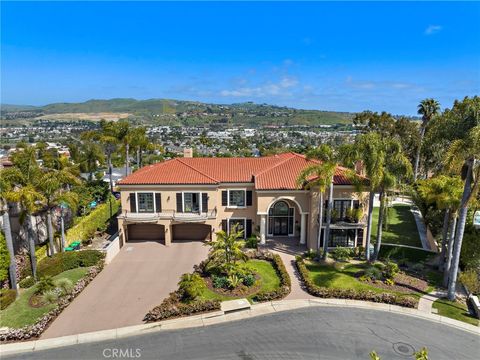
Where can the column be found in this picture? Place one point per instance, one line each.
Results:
(263, 229)
(168, 235)
(303, 229)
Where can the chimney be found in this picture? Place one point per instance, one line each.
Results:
(359, 168)
(187, 152)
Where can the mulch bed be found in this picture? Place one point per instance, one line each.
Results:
(403, 283)
(36, 301)
(238, 291)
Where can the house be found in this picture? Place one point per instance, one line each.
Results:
(193, 198)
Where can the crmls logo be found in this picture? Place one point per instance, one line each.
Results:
(121, 353)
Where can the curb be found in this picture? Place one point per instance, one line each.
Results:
(217, 317)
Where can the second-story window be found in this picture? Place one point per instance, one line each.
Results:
(236, 198)
(191, 202)
(145, 202)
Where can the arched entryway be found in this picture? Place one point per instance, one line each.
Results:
(281, 219)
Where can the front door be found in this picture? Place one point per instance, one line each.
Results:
(280, 226)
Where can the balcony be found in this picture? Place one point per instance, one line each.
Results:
(168, 215)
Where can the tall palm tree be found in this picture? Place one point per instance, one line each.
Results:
(52, 184)
(320, 175)
(445, 192)
(396, 168)
(92, 153)
(428, 108)
(226, 249)
(466, 153)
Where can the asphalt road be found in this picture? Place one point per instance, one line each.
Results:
(310, 333)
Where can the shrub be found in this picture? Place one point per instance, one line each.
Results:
(219, 282)
(341, 253)
(4, 259)
(50, 297)
(470, 278)
(45, 284)
(418, 267)
(310, 254)
(251, 242)
(172, 307)
(366, 295)
(88, 225)
(249, 280)
(61, 262)
(191, 286)
(7, 296)
(29, 281)
(372, 273)
(64, 284)
(234, 281)
(389, 282)
(390, 270)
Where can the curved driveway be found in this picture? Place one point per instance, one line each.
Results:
(139, 278)
(308, 333)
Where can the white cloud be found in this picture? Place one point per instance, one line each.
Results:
(432, 29)
(282, 87)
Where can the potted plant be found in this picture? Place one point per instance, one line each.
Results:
(357, 214)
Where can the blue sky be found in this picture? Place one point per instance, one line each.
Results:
(329, 56)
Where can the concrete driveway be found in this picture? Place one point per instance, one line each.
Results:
(138, 279)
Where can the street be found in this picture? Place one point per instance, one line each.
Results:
(310, 333)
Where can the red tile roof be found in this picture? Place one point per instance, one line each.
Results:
(268, 173)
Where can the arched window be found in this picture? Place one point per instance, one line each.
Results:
(281, 219)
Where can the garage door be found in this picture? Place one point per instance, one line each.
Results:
(146, 232)
(191, 232)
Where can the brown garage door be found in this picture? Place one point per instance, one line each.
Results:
(191, 232)
(146, 232)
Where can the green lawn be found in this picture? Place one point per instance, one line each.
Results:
(20, 313)
(454, 310)
(402, 228)
(269, 280)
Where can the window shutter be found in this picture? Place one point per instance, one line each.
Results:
(158, 202)
(204, 202)
(249, 197)
(133, 203)
(248, 230)
(224, 225)
(179, 203)
(224, 198)
(356, 204)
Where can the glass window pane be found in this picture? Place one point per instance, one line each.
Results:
(237, 198)
(145, 202)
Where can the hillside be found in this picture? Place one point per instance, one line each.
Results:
(176, 112)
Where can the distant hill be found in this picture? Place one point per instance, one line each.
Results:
(177, 112)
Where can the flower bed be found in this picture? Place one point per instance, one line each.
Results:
(173, 307)
(35, 330)
(353, 294)
(285, 282)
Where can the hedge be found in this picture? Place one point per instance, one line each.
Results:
(4, 259)
(7, 296)
(88, 225)
(366, 295)
(35, 330)
(285, 282)
(61, 262)
(173, 307)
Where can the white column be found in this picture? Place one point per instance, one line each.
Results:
(263, 229)
(303, 229)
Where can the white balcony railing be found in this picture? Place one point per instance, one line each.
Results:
(169, 215)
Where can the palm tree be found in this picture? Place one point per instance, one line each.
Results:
(445, 192)
(29, 200)
(428, 108)
(320, 175)
(52, 185)
(226, 249)
(464, 153)
(396, 168)
(92, 153)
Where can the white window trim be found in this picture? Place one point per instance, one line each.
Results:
(293, 228)
(154, 201)
(192, 192)
(244, 199)
(244, 225)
